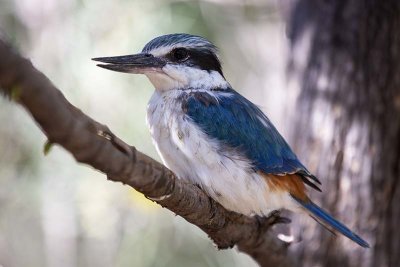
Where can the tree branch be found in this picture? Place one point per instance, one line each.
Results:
(93, 143)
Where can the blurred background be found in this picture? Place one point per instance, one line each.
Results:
(325, 72)
(54, 212)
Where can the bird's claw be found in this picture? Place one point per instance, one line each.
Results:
(274, 218)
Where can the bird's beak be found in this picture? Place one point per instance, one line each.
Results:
(138, 63)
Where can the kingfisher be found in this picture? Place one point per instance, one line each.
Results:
(212, 136)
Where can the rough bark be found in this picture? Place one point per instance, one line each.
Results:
(348, 113)
(93, 144)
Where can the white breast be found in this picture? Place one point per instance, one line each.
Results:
(191, 154)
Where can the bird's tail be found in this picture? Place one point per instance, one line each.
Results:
(329, 222)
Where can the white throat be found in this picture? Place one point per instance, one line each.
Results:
(181, 77)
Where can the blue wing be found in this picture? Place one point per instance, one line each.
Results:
(239, 124)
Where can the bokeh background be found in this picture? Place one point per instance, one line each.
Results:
(54, 212)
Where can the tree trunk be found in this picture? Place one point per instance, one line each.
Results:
(345, 56)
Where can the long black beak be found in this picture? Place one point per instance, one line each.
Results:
(138, 63)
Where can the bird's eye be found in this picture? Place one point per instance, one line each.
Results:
(180, 54)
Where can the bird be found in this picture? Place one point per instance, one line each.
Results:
(212, 136)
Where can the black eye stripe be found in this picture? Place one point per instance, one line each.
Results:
(205, 60)
(195, 57)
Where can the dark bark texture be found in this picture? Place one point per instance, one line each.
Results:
(346, 57)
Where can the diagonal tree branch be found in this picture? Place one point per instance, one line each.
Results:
(93, 143)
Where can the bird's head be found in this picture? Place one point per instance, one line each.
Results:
(173, 61)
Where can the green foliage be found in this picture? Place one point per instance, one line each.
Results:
(15, 93)
(47, 147)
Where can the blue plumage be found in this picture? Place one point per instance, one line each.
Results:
(328, 221)
(187, 75)
(178, 39)
(238, 123)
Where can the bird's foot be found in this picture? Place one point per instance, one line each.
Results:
(273, 218)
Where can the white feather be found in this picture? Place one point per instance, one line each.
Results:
(191, 154)
(162, 50)
(180, 76)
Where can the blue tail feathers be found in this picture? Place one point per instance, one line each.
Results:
(331, 223)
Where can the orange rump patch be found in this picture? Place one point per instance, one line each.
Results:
(291, 183)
